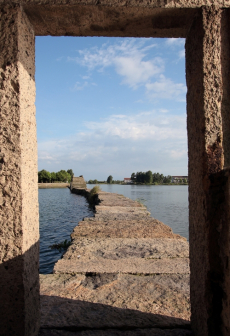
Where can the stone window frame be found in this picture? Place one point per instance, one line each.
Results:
(205, 25)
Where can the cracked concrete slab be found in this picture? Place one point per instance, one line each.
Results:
(115, 301)
(133, 266)
(126, 248)
(149, 228)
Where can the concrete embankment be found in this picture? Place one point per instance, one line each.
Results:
(52, 185)
(125, 273)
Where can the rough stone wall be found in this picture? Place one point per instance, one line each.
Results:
(225, 64)
(140, 18)
(208, 203)
(19, 231)
(207, 54)
(128, 3)
(91, 20)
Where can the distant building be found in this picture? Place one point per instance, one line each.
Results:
(176, 179)
(127, 180)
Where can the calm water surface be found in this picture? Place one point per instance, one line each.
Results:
(169, 204)
(59, 212)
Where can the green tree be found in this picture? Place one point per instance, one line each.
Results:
(110, 179)
(140, 177)
(148, 177)
(53, 177)
(44, 176)
(63, 176)
(167, 179)
(70, 171)
(133, 177)
(158, 178)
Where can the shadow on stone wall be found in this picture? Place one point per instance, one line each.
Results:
(19, 294)
(63, 316)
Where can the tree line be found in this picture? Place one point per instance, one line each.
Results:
(149, 177)
(142, 177)
(109, 180)
(44, 176)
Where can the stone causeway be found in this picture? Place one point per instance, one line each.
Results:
(125, 273)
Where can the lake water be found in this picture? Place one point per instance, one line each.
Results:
(167, 203)
(60, 211)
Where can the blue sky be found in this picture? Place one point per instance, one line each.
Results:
(111, 106)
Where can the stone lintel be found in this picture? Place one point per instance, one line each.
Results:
(126, 3)
(119, 21)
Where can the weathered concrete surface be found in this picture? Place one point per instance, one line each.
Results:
(156, 294)
(78, 182)
(120, 215)
(97, 297)
(112, 208)
(132, 266)
(123, 283)
(149, 228)
(19, 229)
(117, 200)
(120, 248)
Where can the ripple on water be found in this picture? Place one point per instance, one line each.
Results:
(59, 212)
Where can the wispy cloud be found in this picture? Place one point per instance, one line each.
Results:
(131, 61)
(167, 89)
(123, 143)
(139, 127)
(80, 86)
(127, 57)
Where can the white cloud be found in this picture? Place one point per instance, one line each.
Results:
(136, 71)
(165, 88)
(175, 42)
(80, 86)
(141, 126)
(128, 58)
(120, 144)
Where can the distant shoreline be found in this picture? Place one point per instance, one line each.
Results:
(52, 185)
(147, 184)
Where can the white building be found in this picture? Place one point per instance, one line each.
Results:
(127, 180)
(176, 179)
